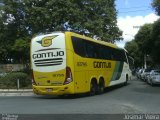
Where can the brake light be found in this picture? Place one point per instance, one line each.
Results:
(33, 81)
(68, 78)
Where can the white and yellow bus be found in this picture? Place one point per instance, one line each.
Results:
(69, 63)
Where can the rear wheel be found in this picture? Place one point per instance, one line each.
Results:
(101, 86)
(93, 88)
(151, 83)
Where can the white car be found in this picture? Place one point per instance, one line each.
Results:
(139, 72)
(145, 73)
(154, 77)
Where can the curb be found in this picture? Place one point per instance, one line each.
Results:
(16, 92)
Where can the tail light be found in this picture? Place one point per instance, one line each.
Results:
(33, 81)
(68, 78)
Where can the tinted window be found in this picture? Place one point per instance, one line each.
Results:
(79, 46)
(108, 53)
(90, 49)
(100, 52)
(122, 56)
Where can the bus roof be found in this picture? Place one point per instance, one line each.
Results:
(94, 40)
(83, 36)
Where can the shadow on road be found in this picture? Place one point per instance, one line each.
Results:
(111, 89)
(141, 86)
(76, 96)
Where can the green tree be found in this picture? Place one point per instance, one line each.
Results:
(97, 17)
(133, 50)
(156, 33)
(156, 6)
(156, 41)
(21, 50)
(143, 39)
(7, 36)
(21, 19)
(145, 43)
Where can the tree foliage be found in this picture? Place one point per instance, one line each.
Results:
(143, 38)
(142, 44)
(21, 19)
(156, 41)
(146, 42)
(97, 17)
(133, 49)
(156, 6)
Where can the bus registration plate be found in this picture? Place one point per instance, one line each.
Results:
(49, 89)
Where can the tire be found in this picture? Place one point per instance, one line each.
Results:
(101, 87)
(93, 88)
(151, 83)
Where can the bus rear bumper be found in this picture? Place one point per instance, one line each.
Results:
(53, 90)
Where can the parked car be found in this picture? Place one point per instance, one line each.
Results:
(154, 77)
(139, 72)
(145, 74)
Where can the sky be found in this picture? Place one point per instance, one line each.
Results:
(132, 14)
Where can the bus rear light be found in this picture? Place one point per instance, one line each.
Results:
(68, 78)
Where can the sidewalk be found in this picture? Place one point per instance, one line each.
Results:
(16, 92)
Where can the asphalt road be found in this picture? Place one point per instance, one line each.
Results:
(135, 98)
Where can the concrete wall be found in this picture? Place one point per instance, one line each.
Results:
(10, 67)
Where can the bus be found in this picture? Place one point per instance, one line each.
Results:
(69, 63)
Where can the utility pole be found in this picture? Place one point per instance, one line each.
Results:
(145, 61)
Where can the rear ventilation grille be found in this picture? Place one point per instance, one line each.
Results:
(48, 62)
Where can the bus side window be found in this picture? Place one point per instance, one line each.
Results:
(79, 46)
(126, 57)
(120, 55)
(89, 50)
(117, 54)
(112, 55)
(101, 52)
(107, 53)
(97, 53)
